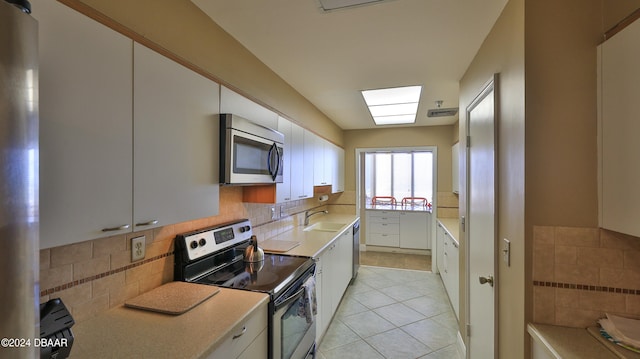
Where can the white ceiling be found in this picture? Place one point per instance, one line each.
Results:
(330, 56)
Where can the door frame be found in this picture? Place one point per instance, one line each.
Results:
(359, 166)
(488, 87)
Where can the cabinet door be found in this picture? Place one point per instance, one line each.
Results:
(345, 252)
(338, 171)
(440, 248)
(283, 190)
(233, 102)
(414, 230)
(175, 142)
(308, 163)
(453, 274)
(85, 126)
(328, 287)
(455, 170)
(301, 164)
(318, 162)
(619, 128)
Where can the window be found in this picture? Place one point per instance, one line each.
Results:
(398, 174)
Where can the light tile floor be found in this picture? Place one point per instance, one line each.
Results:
(392, 313)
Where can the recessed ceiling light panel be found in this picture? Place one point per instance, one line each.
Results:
(393, 106)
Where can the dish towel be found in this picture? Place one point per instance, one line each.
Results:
(308, 307)
(624, 332)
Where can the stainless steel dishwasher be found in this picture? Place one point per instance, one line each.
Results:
(356, 250)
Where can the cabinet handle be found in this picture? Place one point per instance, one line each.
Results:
(244, 330)
(150, 223)
(287, 199)
(113, 229)
(304, 196)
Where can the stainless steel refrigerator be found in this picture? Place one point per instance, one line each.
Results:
(19, 219)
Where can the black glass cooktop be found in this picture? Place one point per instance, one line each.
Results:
(269, 276)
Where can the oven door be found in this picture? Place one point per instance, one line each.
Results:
(253, 159)
(293, 336)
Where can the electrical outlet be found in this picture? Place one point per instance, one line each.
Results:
(137, 248)
(274, 215)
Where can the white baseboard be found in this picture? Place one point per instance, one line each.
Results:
(369, 248)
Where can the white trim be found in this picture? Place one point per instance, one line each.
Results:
(461, 348)
(434, 201)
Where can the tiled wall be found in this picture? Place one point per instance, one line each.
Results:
(93, 276)
(579, 274)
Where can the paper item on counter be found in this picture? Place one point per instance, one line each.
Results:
(173, 297)
(274, 245)
(622, 331)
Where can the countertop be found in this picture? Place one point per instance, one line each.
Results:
(123, 332)
(452, 226)
(312, 243)
(397, 207)
(565, 342)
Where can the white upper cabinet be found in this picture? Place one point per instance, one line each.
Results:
(85, 127)
(175, 125)
(107, 163)
(328, 166)
(320, 169)
(337, 182)
(302, 156)
(455, 169)
(283, 190)
(618, 131)
(233, 102)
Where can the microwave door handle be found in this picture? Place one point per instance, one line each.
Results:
(279, 163)
(270, 157)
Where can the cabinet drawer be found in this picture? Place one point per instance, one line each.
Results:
(384, 219)
(242, 335)
(385, 228)
(381, 239)
(382, 214)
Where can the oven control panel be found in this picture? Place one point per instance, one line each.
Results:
(199, 244)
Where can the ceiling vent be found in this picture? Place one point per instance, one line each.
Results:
(330, 5)
(442, 112)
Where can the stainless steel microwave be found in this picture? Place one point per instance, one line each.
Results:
(249, 153)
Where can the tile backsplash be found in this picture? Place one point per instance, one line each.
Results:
(579, 274)
(95, 275)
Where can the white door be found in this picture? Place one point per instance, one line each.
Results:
(481, 223)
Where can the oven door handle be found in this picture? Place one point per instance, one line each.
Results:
(284, 302)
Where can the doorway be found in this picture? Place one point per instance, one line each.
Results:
(410, 165)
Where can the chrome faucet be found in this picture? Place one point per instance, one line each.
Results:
(307, 215)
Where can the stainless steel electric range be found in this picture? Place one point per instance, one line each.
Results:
(215, 256)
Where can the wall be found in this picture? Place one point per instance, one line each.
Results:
(503, 52)
(580, 274)
(439, 136)
(189, 36)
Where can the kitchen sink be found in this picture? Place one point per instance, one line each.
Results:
(325, 227)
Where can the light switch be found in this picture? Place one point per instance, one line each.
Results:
(506, 251)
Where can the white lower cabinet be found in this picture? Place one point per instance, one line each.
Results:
(247, 340)
(333, 274)
(415, 230)
(447, 258)
(400, 229)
